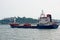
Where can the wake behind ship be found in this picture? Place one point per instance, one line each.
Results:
(45, 22)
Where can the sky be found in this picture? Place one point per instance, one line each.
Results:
(29, 8)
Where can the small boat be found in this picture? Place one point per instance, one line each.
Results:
(45, 22)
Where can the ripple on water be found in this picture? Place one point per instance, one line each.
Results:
(29, 34)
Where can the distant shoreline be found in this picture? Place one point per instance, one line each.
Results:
(21, 20)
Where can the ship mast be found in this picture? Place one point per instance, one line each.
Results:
(42, 14)
(42, 11)
(14, 19)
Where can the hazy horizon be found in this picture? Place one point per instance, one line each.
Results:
(29, 8)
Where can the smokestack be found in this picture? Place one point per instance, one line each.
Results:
(49, 15)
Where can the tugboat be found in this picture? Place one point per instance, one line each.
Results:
(45, 22)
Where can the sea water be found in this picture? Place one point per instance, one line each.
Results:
(8, 33)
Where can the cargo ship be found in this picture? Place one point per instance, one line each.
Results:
(45, 22)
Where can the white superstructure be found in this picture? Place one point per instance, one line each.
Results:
(45, 20)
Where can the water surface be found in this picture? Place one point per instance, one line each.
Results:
(7, 33)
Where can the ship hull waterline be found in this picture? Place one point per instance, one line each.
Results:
(38, 27)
